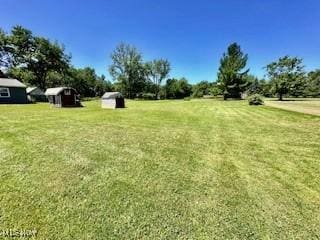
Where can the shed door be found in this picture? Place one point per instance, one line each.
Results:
(120, 102)
(68, 99)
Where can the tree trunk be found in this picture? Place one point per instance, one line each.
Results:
(280, 97)
(225, 97)
(42, 81)
(158, 92)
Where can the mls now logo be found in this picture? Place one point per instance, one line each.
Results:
(18, 233)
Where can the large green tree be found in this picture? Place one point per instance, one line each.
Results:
(287, 76)
(253, 85)
(82, 79)
(30, 58)
(16, 47)
(313, 84)
(37, 61)
(86, 81)
(266, 88)
(4, 53)
(177, 88)
(200, 89)
(157, 70)
(21, 46)
(232, 72)
(128, 70)
(102, 85)
(46, 58)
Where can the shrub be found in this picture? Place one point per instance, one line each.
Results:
(208, 96)
(255, 99)
(197, 94)
(148, 96)
(216, 91)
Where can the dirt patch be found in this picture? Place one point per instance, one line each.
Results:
(304, 106)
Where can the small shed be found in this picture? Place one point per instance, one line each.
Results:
(12, 91)
(63, 97)
(112, 100)
(35, 94)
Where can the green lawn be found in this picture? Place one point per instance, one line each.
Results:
(201, 169)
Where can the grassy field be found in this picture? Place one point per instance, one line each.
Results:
(200, 169)
(309, 106)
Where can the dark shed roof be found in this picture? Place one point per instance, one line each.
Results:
(56, 91)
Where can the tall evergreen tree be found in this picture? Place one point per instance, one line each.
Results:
(231, 76)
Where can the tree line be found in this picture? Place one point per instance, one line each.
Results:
(285, 77)
(37, 61)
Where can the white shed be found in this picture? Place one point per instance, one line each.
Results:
(112, 100)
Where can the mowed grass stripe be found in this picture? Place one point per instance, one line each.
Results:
(244, 163)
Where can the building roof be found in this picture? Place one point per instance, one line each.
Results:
(56, 91)
(109, 95)
(31, 89)
(34, 91)
(8, 82)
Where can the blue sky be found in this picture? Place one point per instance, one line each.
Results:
(192, 35)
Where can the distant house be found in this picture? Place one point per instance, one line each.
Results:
(12, 91)
(112, 100)
(63, 97)
(35, 94)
